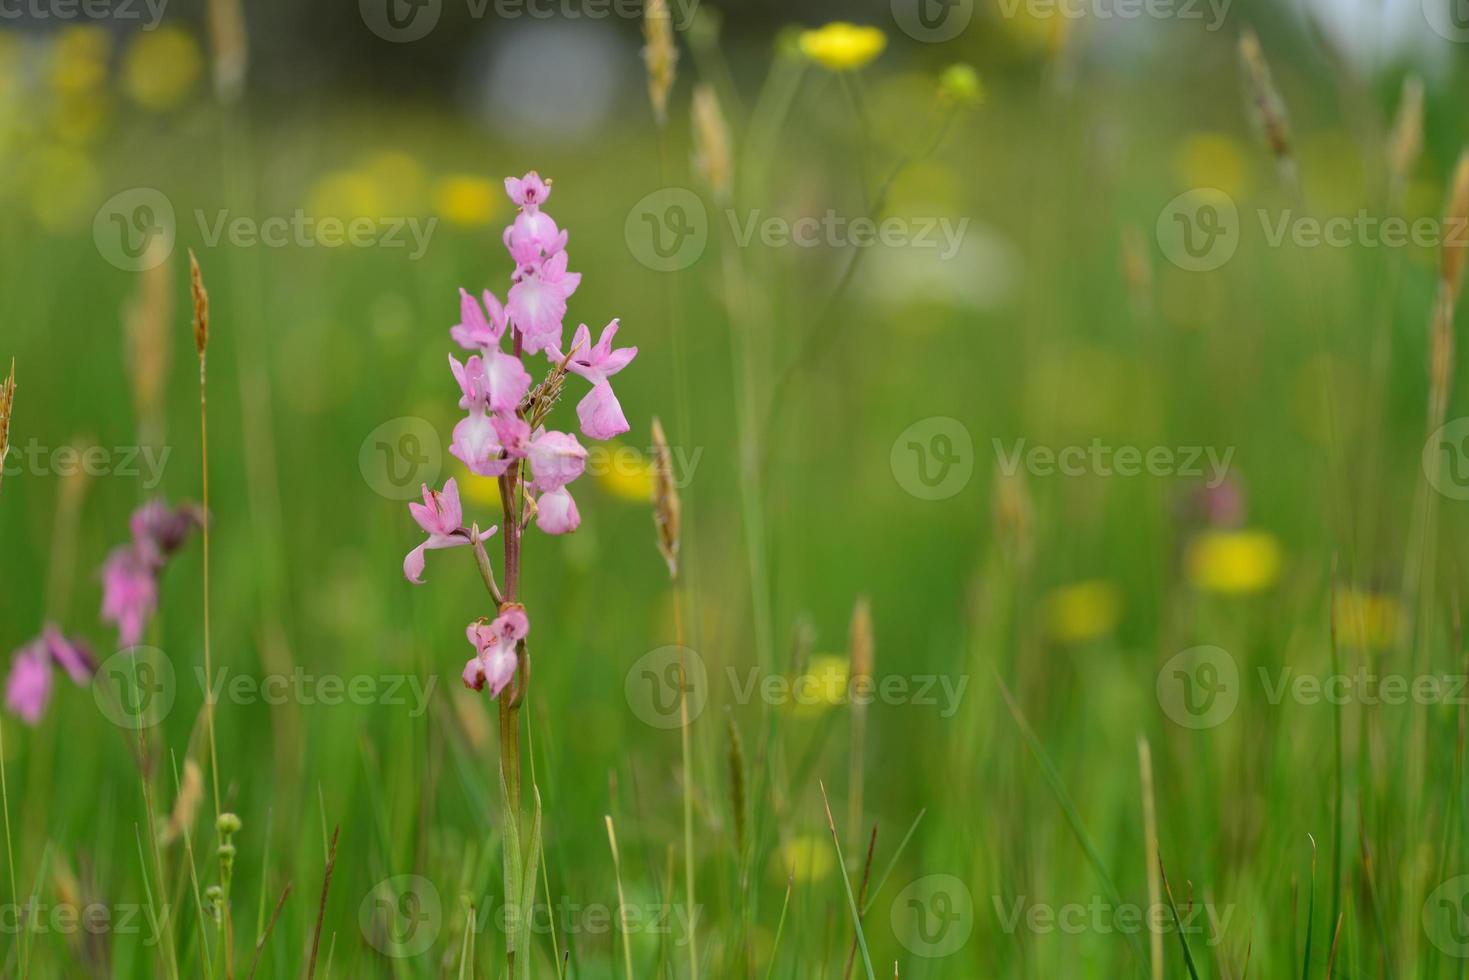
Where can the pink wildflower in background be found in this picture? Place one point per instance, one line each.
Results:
(502, 434)
(28, 688)
(130, 573)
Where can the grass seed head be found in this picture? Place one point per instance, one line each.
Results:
(7, 401)
(712, 155)
(1406, 142)
(660, 54)
(1456, 218)
(201, 305)
(1268, 108)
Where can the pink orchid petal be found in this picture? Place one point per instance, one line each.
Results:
(601, 413)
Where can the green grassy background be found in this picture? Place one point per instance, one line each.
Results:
(312, 349)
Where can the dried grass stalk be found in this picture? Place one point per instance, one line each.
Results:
(145, 326)
(667, 511)
(230, 46)
(185, 806)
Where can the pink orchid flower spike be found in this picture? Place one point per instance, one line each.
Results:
(442, 518)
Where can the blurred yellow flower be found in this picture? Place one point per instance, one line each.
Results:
(840, 46)
(482, 490)
(346, 194)
(79, 118)
(960, 85)
(1233, 562)
(400, 181)
(1082, 611)
(807, 858)
(622, 471)
(161, 67)
(466, 199)
(63, 188)
(1366, 619)
(1210, 159)
(79, 59)
(822, 686)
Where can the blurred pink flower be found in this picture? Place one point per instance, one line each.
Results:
(160, 530)
(28, 688)
(29, 685)
(129, 592)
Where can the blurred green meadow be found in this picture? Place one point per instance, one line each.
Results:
(1118, 475)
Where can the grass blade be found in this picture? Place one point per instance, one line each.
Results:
(1053, 778)
(847, 884)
